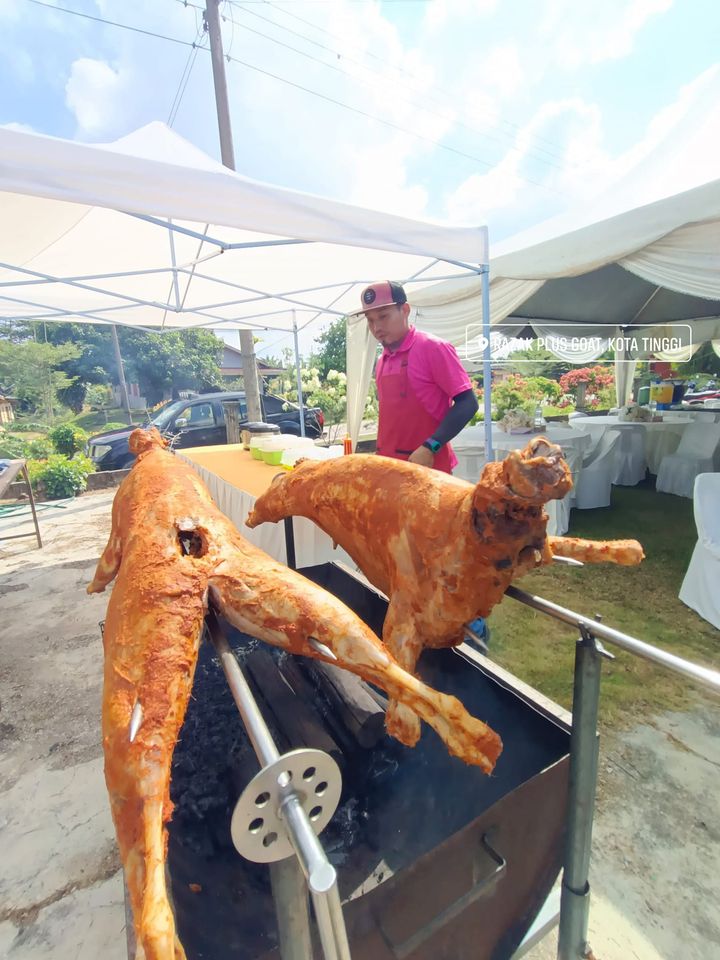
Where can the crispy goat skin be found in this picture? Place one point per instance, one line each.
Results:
(172, 550)
(443, 551)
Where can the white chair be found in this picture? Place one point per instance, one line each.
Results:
(558, 511)
(699, 589)
(594, 483)
(469, 447)
(694, 456)
(471, 460)
(630, 459)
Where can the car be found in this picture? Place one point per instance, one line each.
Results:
(200, 422)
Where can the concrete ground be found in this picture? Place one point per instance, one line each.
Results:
(656, 858)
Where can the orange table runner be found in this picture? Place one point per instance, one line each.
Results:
(234, 465)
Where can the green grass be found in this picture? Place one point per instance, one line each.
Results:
(642, 601)
(94, 420)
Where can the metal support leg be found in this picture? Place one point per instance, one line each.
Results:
(31, 495)
(291, 906)
(584, 749)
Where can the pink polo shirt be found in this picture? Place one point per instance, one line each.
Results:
(434, 370)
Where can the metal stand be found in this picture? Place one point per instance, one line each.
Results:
(6, 478)
(575, 896)
(584, 751)
(284, 788)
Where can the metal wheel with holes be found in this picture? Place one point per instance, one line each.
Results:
(257, 827)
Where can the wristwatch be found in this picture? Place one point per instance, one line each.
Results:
(432, 445)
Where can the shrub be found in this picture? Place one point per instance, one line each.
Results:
(40, 449)
(61, 476)
(30, 426)
(12, 448)
(68, 438)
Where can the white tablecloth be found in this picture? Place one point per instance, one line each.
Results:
(661, 439)
(312, 546)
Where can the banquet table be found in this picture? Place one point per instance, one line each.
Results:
(235, 480)
(661, 438)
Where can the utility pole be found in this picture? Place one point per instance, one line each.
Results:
(121, 375)
(227, 155)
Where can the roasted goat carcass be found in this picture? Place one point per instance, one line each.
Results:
(171, 550)
(442, 550)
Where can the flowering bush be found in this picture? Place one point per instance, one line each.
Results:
(592, 387)
(330, 395)
(520, 393)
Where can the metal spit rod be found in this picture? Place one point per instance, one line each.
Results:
(319, 872)
(575, 894)
(702, 675)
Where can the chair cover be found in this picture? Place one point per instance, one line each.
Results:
(595, 480)
(630, 458)
(699, 589)
(694, 456)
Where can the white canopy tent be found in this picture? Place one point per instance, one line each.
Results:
(150, 232)
(633, 256)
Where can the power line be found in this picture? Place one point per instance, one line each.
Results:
(111, 23)
(508, 137)
(184, 79)
(413, 103)
(291, 83)
(509, 123)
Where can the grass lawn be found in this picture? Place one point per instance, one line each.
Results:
(642, 601)
(94, 421)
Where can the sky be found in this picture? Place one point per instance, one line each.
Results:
(505, 112)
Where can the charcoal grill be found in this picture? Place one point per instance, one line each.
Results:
(434, 859)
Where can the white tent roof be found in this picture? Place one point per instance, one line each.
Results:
(652, 264)
(151, 232)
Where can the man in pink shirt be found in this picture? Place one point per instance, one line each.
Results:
(424, 393)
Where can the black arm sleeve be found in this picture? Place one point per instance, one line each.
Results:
(460, 413)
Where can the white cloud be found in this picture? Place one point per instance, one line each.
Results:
(578, 34)
(20, 127)
(92, 93)
(519, 182)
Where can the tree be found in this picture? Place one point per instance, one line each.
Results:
(170, 362)
(536, 361)
(157, 362)
(332, 352)
(32, 372)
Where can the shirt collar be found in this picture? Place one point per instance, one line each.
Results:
(405, 344)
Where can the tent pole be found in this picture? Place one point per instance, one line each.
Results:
(227, 154)
(121, 374)
(487, 363)
(299, 376)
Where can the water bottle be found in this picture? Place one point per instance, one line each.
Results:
(539, 422)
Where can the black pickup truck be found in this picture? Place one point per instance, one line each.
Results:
(199, 422)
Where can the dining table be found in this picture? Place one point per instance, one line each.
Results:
(662, 437)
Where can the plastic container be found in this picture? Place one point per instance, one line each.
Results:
(643, 397)
(258, 442)
(273, 448)
(662, 394)
(291, 456)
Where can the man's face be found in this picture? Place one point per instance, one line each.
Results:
(389, 324)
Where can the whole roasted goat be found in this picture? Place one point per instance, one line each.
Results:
(172, 552)
(442, 550)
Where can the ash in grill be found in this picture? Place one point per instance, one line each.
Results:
(419, 839)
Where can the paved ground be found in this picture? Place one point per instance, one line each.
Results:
(656, 861)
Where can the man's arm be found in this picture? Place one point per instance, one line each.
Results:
(464, 408)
